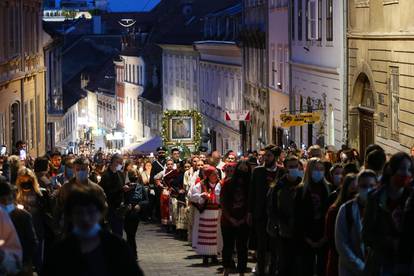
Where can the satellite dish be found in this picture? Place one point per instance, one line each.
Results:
(127, 22)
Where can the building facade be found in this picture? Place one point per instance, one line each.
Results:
(380, 66)
(22, 76)
(180, 77)
(318, 78)
(278, 68)
(255, 133)
(220, 84)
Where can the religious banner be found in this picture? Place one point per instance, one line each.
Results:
(291, 120)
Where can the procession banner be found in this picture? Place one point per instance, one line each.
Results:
(291, 120)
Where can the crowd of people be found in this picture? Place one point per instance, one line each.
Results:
(295, 212)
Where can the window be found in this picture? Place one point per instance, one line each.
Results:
(133, 73)
(129, 72)
(300, 19)
(394, 102)
(274, 71)
(280, 56)
(331, 125)
(26, 122)
(312, 12)
(329, 20)
(32, 129)
(2, 129)
(292, 10)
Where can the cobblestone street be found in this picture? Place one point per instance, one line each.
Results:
(161, 254)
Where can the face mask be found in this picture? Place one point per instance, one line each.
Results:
(337, 178)
(301, 173)
(8, 208)
(317, 176)
(294, 173)
(69, 173)
(26, 185)
(402, 181)
(82, 176)
(93, 232)
(98, 178)
(119, 168)
(363, 195)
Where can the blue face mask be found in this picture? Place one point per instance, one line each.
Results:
(82, 176)
(8, 208)
(93, 232)
(317, 176)
(69, 173)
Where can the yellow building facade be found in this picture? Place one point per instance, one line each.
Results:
(381, 74)
(22, 76)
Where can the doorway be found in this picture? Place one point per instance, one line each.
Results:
(366, 129)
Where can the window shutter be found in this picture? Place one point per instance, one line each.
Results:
(313, 20)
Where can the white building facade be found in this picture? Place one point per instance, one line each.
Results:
(317, 60)
(220, 91)
(180, 77)
(278, 67)
(130, 83)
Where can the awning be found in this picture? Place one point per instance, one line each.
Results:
(145, 147)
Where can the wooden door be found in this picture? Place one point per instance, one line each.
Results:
(366, 130)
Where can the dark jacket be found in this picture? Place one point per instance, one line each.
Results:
(258, 192)
(23, 223)
(157, 167)
(66, 258)
(112, 183)
(406, 257)
(138, 195)
(379, 231)
(308, 223)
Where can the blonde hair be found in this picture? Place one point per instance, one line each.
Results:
(29, 173)
(307, 178)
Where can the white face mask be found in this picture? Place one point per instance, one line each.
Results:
(119, 168)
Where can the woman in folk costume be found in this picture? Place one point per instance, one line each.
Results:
(164, 180)
(205, 196)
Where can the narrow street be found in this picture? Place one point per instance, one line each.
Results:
(161, 254)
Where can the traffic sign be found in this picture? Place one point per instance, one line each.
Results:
(243, 115)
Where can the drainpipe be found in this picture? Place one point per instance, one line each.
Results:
(345, 72)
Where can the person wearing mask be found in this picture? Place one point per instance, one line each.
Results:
(22, 221)
(382, 225)
(113, 184)
(37, 202)
(234, 227)
(80, 178)
(11, 252)
(336, 173)
(158, 165)
(311, 205)
(207, 237)
(348, 191)
(136, 198)
(284, 210)
(348, 228)
(89, 250)
(263, 178)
